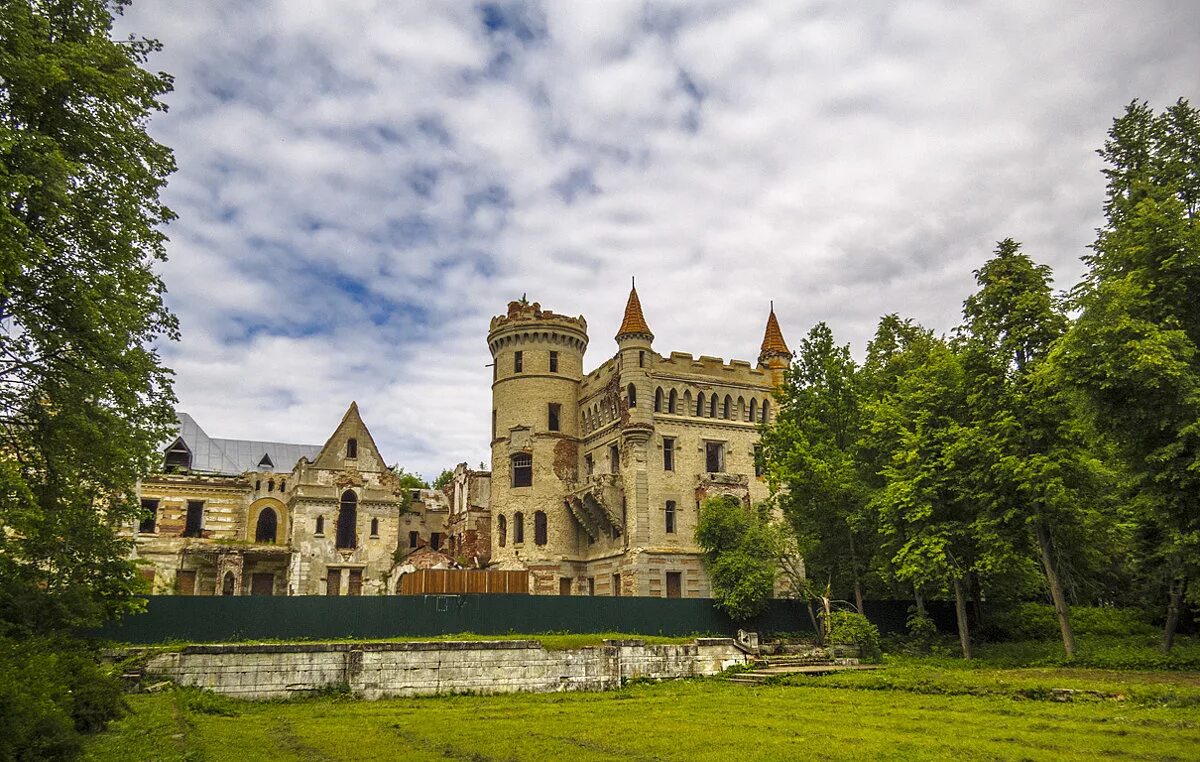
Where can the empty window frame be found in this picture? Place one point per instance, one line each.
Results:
(374, 527)
(267, 525)
(195, 518)
(518, 362)
(414, 538)
(700, 405)
(753, 410)
(614, 459)
(553, 412)
(766, 406)
(714, 457)
(522, 470)
(518, 527)
(668, 454)
(554, 362)
(539, 528)
(179, 457)
(670, 516)
(641, 358)
(149, 517)
(435, 540)
(589, 464)
(616, 585)
(673, 403)
(727, 410)
(658, 400)
(320, 529)
(347, 521)
(351, 448)
(631, 395)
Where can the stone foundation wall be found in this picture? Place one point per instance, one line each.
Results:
(378, 670)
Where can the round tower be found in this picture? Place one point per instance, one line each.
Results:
(537, 365)
(634, 354)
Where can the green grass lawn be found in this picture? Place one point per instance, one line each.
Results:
(910, 710)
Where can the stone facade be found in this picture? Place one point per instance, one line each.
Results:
(598, 477)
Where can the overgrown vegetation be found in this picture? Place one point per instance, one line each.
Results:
(741, 554)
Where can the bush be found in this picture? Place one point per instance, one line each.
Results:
(1037, 621)
(847, 628)
(50, 693)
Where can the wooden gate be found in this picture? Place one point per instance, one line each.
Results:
(425, 581)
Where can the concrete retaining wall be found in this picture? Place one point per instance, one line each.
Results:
(376, 670)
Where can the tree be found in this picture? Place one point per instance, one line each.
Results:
(408, 479)
(84, 398)
(444, 479)
(741, 553)
(1134, 350)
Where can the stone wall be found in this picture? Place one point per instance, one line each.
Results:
(378, 670)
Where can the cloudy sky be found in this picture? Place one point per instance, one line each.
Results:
(362, 185)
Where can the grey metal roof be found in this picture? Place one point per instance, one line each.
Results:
(236, 456)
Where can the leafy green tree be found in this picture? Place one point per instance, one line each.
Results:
(84, 398)
(444, 479)
(1135, 348)
(741, 554)
(409, 479)
(811, 452)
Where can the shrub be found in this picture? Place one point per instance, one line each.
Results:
(1037, 621)
(847, 628)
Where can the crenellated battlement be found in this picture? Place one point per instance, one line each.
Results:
(714, 368)
(522, 311)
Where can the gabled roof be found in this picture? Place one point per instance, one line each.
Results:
(634, 322)
(333, 453)
(235, 456)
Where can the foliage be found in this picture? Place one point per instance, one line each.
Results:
(444, 479)
(922, 634)
(1036, 621)
(50, 693)
(849, 628)
(741, 554)
(84, 400)
(409, 480)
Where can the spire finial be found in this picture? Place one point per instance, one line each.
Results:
(773, 343)
(634, 323)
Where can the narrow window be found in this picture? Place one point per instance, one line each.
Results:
(347, 521)
(765, 407)
(374, 527)
(674, 584)
(673, 403)
(658, 400)
(320, 530)
(758, 460)
(518, 527)
(414, 538)
(564, 585)
(149, 516)
(333, 582)
(700, 405)
(539, 528)
(493, 424)
(554, 362)
(283, 485)
(616, 583)
(267, 524)
(552, 416)
(631, 395)
(753, 410)
(501, 530)
(435, 540)
(195, 518)
(518, 362)
(354, 583)
(228, 584)
(714, 457)
(591, 585)
(727, 413)
(614, 459)
(668, 454)
(522, 470)
(670, 516)
(270, 485)
(641, 358)
(712, 407)
(257, 485)
(352, 448)
(589, 464)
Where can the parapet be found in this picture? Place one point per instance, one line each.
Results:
(736, 371)
(522, 311)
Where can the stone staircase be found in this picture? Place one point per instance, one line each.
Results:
(809, 661)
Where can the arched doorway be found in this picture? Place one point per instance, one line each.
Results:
(347, 520)
(228, 583)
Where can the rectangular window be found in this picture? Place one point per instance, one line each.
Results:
(670, 514)
(493, 424)
(522, 470)
(564, 585)
(591, 585)
(413, 539)
(435, 540)
(641, 358)
(616, 583)
(333, 582)
(714, 457)
(614, 459)
(355, 586)
(195, 518)
(518, 362)
(668, 454)
(149, 516)
(552, 416)
(674, 584)
(589, 464)
(554, 362)
(185, 582)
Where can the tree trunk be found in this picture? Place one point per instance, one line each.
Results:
(920, 599)
(858, 593)
(1056, 591)
(976, 599)
(960, 610)
(858, 596)
(1178, 587)
(812, 617)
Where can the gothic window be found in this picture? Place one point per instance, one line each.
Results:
(670, 517)
(539, 528)
(347, 521)
(766, 405)
(374, 527)
(352, 448)
(631, 395)
(195, 518)
(668, 454)
(257, 485)
(552, 416)
(700, 404)
(518, 527)
(673, 403)
(270, 485)
(753, 410)
(501, 530)
(727, 411)
(149, 516)
(554, 362)
(522, 470)
(658, 400)
(267, 524)
(712, 407)
(740, 410)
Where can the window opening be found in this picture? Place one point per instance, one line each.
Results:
(352, 448)
(435, 540)
(522, 470)
(658, 400)
(413, 539)
(714, 457)
(759, 465)
(727, 413)
(266, 526)
(700, 405)
(589, 464)
(641, 358)
(668, 454)
(554, 362)
(333, 582)
(502, 530)
(347, 521)
(374, 527)
(149, 517)
(614, 459)
(195, 518)
(674, 584)
(765, 406)
(270, 485)
(228, 584)
(518, 362)
(552, 414)
(670, 514)
(518, 527)
(616, 585)
(564, 585)
(179, 457)
(673, 403)
(354, 586)
(631, 395)
(266, 462)
(320, 530)
(753, 410)
(539, 528)
(712, 407)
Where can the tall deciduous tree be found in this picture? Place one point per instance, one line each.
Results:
(742, 549)
(84, 399)
(1135, 348)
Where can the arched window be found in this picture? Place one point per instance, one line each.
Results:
(700, 405)
(673, 403)
(257, 485)
(539, 528)
(347, 521)
(270, 485)
(283, 485)
(502, 529)
(658, 400)
(228, 584)
(351, 448)
(727, 412)
(518, 527)
(712, 407)
(374, 527)
(320, 525)
(686, 408)
(631, 395)
(266, 526)
(739, 412)
(753, 410)
(765, 410)
(522, 470)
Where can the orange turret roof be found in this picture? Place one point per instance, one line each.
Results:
(773, 342)
(634, 322)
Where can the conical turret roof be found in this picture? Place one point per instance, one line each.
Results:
(634, 322)
(773, 343)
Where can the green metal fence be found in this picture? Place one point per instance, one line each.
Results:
(231, 618)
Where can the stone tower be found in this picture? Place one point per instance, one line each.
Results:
(774, 354)
(538, 363)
